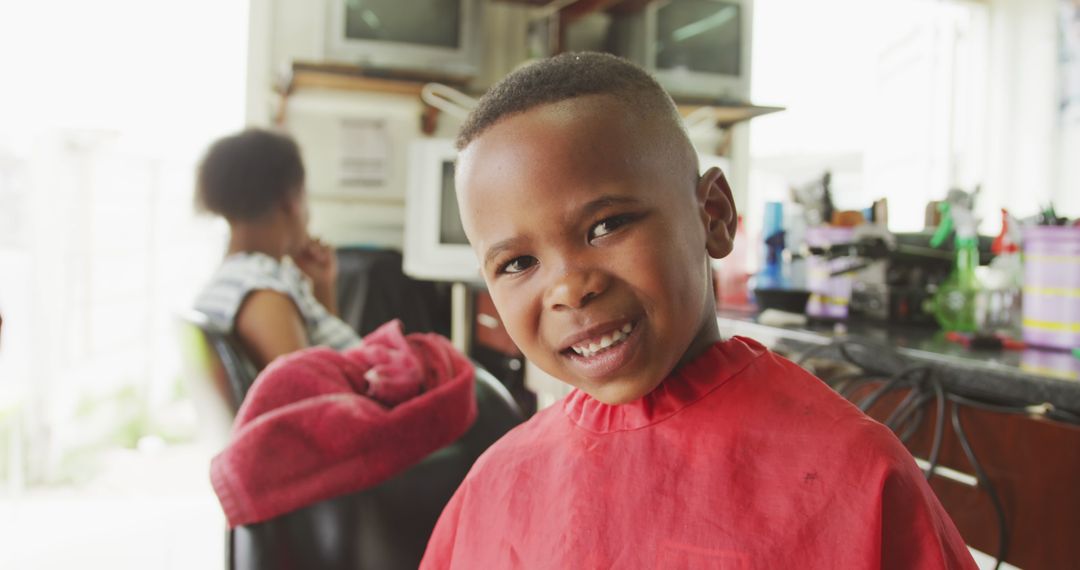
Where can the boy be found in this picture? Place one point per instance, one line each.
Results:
(579, 192)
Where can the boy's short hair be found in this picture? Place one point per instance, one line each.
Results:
(243, 175)
(563, 77)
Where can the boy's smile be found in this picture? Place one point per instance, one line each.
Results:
(594, 231)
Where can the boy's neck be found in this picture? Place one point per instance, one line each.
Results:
(708, 334)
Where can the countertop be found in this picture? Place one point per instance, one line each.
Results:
(1030, 376)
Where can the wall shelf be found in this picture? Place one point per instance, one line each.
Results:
(355, 78)
(728, 114)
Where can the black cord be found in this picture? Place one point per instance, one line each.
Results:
(854, 384)
(841, 382)
(912, 405)
(1063, 415)
(845, 349)
(849, 349)
(891, 385)
(984, 482)
(1046, 411)
(904, 408)
(939, 427)
(986, 406)
(816, 351)
(913, 424)
(911, 411)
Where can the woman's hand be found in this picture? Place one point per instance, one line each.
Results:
(319, 262)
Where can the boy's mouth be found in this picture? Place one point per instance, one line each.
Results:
(601, 350)
(596, 345)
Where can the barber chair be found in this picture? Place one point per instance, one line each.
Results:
(385, 527)
(218, 374)
(372, 289)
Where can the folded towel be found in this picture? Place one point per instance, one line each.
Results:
(318, 424)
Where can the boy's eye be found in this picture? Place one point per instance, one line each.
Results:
(608, 225)
(518, 264)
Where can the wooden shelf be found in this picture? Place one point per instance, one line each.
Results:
(320, 79)
(306, 75)
(728, 114)
(355, 78)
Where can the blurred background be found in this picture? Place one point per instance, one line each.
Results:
(106, 107)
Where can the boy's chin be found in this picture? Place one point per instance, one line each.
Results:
(620, 392)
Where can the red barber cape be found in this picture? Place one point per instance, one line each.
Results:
(740, 459)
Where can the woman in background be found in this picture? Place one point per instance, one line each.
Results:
(276, 289)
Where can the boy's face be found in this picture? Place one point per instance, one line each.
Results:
(592, 230)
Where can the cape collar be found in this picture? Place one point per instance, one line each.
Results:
(684, 386)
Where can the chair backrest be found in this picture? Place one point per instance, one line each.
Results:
(221, 357)
(372, 289)
(385, 527)
(218, 374)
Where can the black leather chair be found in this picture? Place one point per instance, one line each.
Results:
(216, 359)
(385, 527)
(372, 289)
(217, 372)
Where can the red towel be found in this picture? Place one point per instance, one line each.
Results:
(318, 424)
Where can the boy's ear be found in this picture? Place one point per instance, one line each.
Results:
(717, 209)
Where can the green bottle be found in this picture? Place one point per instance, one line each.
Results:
(953, 304)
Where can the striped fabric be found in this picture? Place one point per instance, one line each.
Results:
(243, 273)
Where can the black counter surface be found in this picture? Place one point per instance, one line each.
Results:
(1030, 376)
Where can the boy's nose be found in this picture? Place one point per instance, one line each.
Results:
(576, 288)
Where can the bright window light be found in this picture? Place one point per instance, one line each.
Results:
(106, 106)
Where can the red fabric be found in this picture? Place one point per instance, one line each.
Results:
(738, 460)
(317, 423)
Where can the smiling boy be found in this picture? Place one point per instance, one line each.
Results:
(580, 193)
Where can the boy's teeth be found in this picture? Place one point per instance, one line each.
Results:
(606, 341)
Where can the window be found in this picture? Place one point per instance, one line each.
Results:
(890, 96)
(109, 105)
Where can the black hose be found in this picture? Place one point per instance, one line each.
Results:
(891, 385)
(939, 428)
(984, 482)
(913, 424)
(817, 350)
(904, 408)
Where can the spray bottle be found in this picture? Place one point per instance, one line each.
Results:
(1007, 270)
(954, 303)
(772, 274)
(1004, 280)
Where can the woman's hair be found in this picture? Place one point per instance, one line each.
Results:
(242, 176)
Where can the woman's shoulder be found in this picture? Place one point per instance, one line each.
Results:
(252, 270)
(237, 277)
